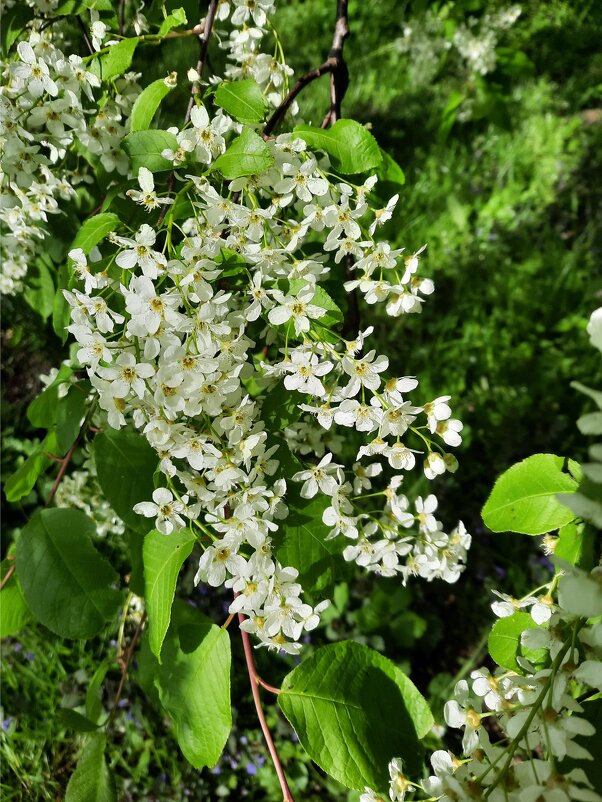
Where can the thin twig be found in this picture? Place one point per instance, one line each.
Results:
(86, 37)
(121, 17)
(267, 686)
(303, 81)
(125, 664)
(288, 797)
(207, 27)
(64, 463)
(7, 576)
(334, 64)
(200, 67)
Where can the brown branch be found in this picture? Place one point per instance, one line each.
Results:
(64, 463)
(303, 81)
(207, 27)
(334, 64)
(121, 17)
(339, 78)
(255, 682)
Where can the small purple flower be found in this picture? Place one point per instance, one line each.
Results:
(251, 769)
(7, 722)
(30, 656)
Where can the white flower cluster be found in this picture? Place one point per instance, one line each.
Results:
(250, 21)
(476, 43)
(45, 106)
(425, 40)
(537, 716)
(186, 326)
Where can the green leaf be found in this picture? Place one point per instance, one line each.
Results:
(575, 545)
(65, 581)
(280, 408)
(145, 147)
(117, 61)
(242, 100)
(351, 147)
(91, 781)
(147, 103)
(248, 154)
(93, 704)
(320, 298)
(13, 25)
(194, 685)
(389, 171)
(580, 594)
(125, 464)
(504, 641)
(75, 721)
(94, 230)
(20, 483)
(163, 558)
(177, 17)
(14, 612)
(523, 498)
(301, 542)
(353, 711)
(72, 7)
(41, 413)
(40, 291)
(70, 412)
(61, 311)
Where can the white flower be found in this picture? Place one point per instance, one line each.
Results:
(34, 72)
(399, 784)
(304, 372)
(299, 309)
(165, 509)
(364, 372)
(146, 196)
(320, 477)
(141, 253)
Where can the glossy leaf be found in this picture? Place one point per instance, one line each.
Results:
(125, 464)
(194, 686)
(247, 155)
(163, 557)
(351, 147)
(147, 103)
(116, 61)
(524, 500)
(504, 642)
(65, 581)
(242, 100)
(353, 711)
(94, 230)
(145, 147)
(173, 20)
(303, 544)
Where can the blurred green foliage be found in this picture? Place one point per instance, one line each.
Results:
(498, 128)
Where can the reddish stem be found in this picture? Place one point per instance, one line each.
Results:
(64, 463)
(255, 682)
